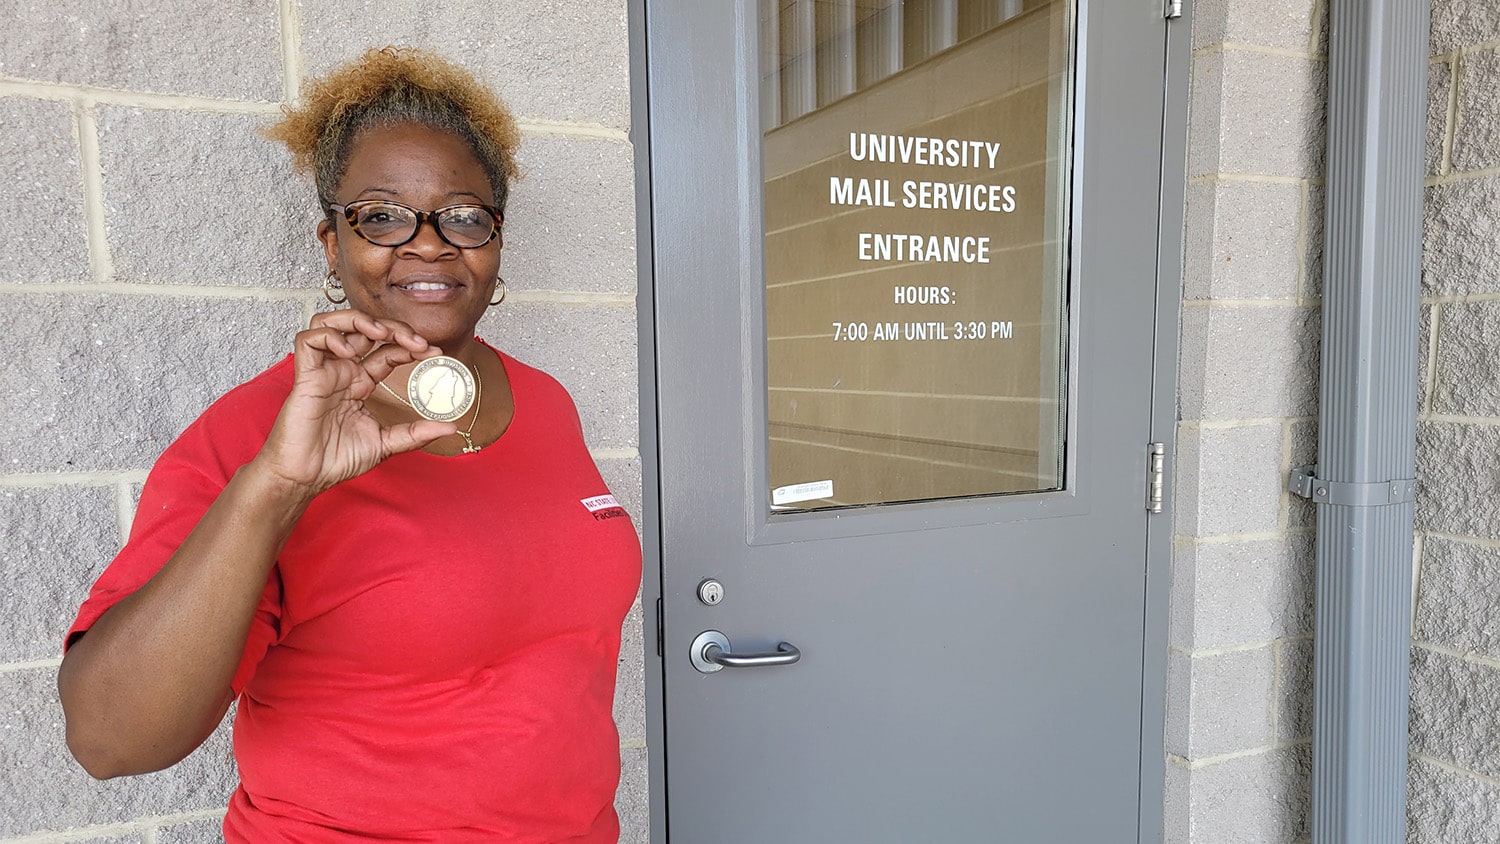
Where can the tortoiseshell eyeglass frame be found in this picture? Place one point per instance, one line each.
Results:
(351, 211)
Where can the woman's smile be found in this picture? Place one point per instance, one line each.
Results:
(435, 290)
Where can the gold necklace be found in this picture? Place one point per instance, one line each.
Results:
(469, 446)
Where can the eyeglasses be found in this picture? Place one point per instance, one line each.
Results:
(386, 223)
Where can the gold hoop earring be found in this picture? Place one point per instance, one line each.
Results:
(500, 283)
(330, 284)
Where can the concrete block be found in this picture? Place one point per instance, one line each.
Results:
(1279, 23)
(1439, 91)
(590, 349)
(1458, 479)
(216, 49)
(1257, 113)
(1312, 243)
(1178, 737)
(1444, 806)
(630, 682)
(1207, 107)
(1229, 480)
(623, 477)
(1242, 241)
(1251, 799)
(128, 374)
(1183, 605)
(201, 831)
(1177, 804)
(46, 790)
(1233, 593)
(1468, 357)
(1463, 23)
(1230, 698)
(1476, 133)
(1424, 354)
(196, 198)
(41, 177)
(1461, 240)
(1459, 598)
(1249, 361)
(1302, 513)
(570, 224)
(1294, 690)
(54, 542)
(1455, 711)
(550, 59)
(135, 501)
(633, 799)
(1320, 29)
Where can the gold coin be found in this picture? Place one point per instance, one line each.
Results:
(441, 388)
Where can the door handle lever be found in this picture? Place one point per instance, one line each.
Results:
(710, 653)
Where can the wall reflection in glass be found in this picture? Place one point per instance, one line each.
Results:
(916, 164)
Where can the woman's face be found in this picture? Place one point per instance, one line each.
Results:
(439, 289)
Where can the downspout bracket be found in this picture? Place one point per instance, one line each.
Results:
(1304, 481)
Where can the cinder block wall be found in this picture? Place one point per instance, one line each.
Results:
(160, 252)
(1239, 692)
(1240, 671)
(1455, 702)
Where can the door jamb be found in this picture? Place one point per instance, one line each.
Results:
(645, 309)
(1171, 236)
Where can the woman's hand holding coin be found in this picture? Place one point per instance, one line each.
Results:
(323, 434)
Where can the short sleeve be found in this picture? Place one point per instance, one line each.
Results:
(185, 481)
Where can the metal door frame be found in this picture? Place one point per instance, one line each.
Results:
(1171, 221)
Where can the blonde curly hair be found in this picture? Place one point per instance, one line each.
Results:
(396, 85)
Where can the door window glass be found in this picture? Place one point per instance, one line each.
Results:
(916, 160)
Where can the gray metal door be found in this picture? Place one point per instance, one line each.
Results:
(971, 635)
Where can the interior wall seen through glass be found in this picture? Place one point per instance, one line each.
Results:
(916, 163)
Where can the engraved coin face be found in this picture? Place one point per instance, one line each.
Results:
(441, 388)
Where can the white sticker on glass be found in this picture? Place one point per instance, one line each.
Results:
(810, 491)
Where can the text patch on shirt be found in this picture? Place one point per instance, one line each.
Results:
(603, 507)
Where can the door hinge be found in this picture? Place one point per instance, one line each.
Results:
(660, 631)
(1156, 460)
(1174, 9)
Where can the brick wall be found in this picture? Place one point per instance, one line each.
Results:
(1239, 711)
(160, 252)
(1239, 723)
(1455, 703)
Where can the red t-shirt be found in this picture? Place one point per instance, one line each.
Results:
(434, 656)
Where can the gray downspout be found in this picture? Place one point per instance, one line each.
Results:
(1363, 483)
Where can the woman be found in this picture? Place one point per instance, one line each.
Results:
(388, 547)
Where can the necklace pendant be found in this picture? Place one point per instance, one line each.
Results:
(469, 446)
